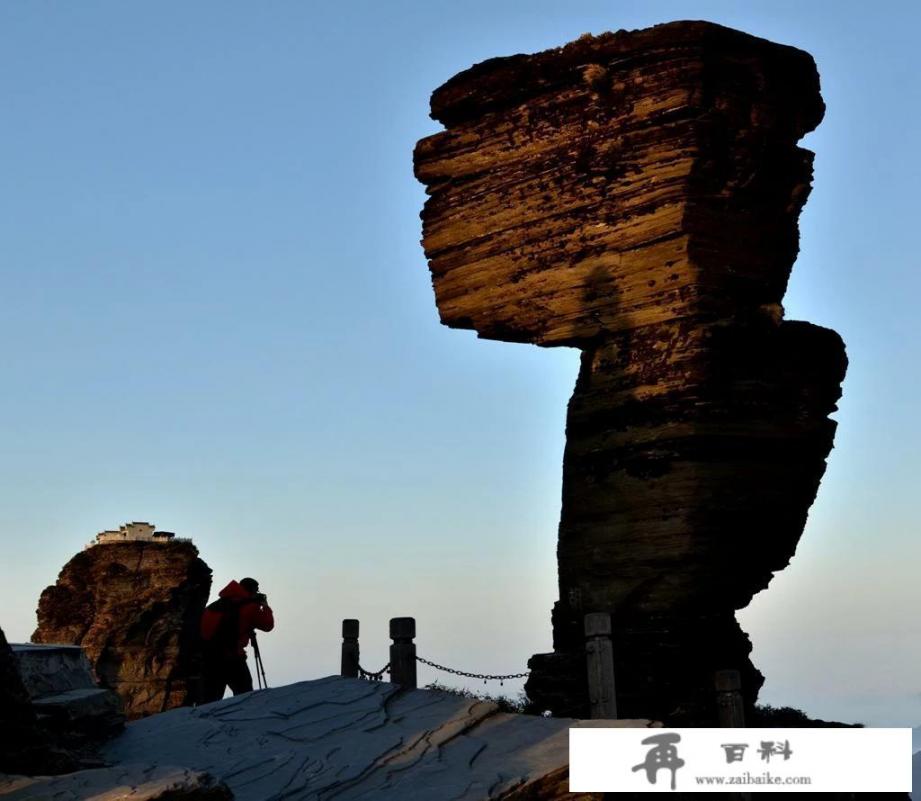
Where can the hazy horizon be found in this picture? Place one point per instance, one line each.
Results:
(219, 319)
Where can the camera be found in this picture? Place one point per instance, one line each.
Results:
(260, 596)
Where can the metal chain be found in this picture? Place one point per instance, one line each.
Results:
(371, 675)
(485, 676)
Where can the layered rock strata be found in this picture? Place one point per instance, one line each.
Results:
(139, 782)
(134, 607)
(636, 195)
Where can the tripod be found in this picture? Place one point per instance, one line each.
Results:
(260, 668)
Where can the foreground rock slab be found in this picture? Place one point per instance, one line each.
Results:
(134, 782)
(350, 739)
(636, 195)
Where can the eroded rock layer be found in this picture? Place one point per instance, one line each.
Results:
(139, 782)
(134, 607)
(636, 195)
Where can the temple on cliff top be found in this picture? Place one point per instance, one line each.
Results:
(137, 531)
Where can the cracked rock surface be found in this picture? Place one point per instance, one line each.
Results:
(350, 739)
(636, 195)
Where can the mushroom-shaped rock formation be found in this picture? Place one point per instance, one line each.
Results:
(135, 608)
(636, 195)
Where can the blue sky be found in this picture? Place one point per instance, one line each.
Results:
(217, 317)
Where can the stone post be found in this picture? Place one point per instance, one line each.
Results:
(403, 652)
(599, 658)
(729, 699)
(349, 648)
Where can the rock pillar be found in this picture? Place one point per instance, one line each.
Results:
(636, 195)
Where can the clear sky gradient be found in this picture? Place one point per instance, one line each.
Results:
(217, 317)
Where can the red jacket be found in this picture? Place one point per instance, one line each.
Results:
(253, 615)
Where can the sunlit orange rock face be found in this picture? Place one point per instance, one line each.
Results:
(636, 195)
(135, 608)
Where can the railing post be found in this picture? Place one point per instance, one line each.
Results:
(350, 648)
(599, 653)
(403, 652)
(729, 699)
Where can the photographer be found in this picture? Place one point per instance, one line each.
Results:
(227, 626)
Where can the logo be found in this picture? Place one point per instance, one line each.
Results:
(624, 758)
(663, 754)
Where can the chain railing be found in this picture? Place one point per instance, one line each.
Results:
(372, 675)
(599, 666)
(402, 666)
(500, 677)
